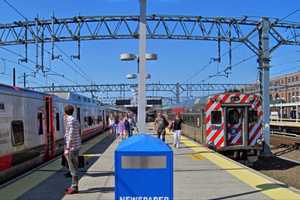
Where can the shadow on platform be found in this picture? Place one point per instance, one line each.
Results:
(54, 186)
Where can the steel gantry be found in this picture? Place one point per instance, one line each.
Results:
(262, 36)
(177, 89)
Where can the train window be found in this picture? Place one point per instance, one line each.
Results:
(57, 122)
(40, 123)
(99, 119)
(78, 114)
(90, 121)
(216, 117)
(17, 129)
(233, 116)
(253, 117)
(2, 107)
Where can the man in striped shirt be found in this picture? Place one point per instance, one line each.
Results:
(72, 146)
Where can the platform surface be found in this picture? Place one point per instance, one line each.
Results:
(198, 174)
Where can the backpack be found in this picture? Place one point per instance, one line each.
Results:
(166, 123)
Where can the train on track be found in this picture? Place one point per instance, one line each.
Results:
(32, 128)
(230, 123)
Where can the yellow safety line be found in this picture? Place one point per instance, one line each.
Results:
(18, 188)
(267, 187)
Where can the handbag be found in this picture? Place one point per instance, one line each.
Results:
(81, 161)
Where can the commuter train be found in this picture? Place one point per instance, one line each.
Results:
(230, 123)
(32, 128)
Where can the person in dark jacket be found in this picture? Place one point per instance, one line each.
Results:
(160, 125)
(176, 129)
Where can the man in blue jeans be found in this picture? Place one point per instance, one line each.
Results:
(72, 146)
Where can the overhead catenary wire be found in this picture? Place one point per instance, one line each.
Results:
(233, 66)
(81, 72)
(31, 61)
(15, 9)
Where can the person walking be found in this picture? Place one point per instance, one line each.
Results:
(111, 122)
(121, 128)
(127, 126)
(160, 124)
(176, 129)
(72, 146)
(131, 124)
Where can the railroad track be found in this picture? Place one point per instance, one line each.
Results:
(278, 138)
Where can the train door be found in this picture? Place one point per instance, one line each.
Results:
(235, 125)
(50, 131)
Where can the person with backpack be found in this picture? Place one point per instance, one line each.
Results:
(160, 124)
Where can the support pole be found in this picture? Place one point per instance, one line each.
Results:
(14, 77)
(24, 79)
(142, 68)
(177, 92)
(264, 60)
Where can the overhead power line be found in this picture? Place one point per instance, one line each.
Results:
(15, 9)
(81, 72)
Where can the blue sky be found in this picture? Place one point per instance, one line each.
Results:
(178, 60)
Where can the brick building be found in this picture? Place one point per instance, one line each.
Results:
(285, 87)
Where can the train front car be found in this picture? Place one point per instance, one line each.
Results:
(234, 124)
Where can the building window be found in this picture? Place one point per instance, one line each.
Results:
(17, 129)
(216, 117)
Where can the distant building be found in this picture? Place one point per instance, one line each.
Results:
(284, 88)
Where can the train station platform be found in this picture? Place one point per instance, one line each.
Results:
(199, 173)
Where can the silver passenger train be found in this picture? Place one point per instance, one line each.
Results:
(32, 128)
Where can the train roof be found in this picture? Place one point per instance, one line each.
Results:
(76, 98)
(7, 89)
(68, 96)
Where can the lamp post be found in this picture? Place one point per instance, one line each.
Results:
(141, 89)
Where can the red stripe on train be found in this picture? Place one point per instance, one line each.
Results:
(5, 162)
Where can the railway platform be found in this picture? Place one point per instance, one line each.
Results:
(199, 173)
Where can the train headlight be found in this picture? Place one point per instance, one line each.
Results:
(259, 141)
(251, 99)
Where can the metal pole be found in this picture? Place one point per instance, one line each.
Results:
(24, 80)
(264, 59)
(14, 77)
(177, 92)
(142, 68)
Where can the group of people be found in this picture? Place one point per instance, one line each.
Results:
(122, 126)
(161, 123)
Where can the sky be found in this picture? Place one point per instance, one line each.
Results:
(177, 60)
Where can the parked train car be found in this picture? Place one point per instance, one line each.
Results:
(32, 126)
(230, 122)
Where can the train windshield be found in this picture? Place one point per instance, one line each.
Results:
(216, 117)
(233, 116)
(253, 117)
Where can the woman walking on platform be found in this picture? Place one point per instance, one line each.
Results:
(121, 128)
(176, 129)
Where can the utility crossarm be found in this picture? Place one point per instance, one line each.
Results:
(82, 28)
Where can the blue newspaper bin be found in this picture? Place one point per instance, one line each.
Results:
(143, 169)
